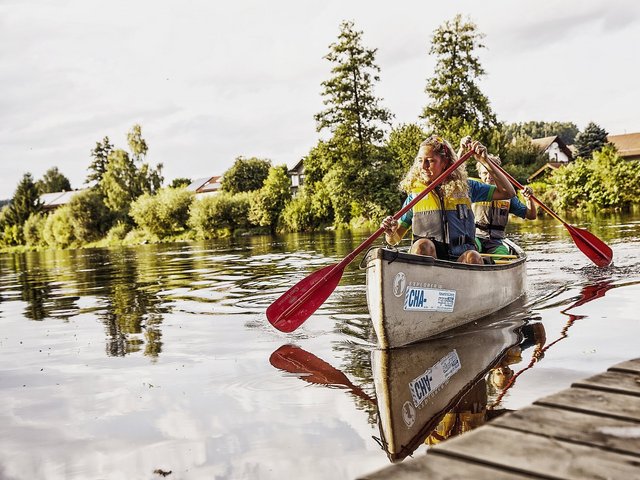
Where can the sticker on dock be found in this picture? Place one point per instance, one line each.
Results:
(430, 381)
(429, 300)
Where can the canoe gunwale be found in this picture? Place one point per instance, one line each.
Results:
(390, 255)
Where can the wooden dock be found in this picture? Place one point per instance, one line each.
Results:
(589, 431)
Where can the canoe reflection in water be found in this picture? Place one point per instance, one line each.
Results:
(429, 391)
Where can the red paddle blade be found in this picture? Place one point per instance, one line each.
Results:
(299, 302)
(599, 252)
(293, 359)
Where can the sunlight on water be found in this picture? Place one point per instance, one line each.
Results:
(116, 363)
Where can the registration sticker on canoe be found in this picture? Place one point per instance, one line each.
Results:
(429, 299)
(431, 380)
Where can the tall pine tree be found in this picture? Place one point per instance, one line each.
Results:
(457, 105)
(353, 112)
(25, 201)
(356, 122)
(590, 140)
(98, 165)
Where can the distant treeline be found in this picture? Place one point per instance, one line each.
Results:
(351, 177)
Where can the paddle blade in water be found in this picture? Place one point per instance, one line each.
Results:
(599, 252)
(299, 302)
(312, 369)
(293, 359)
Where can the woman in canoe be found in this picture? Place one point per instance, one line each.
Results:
(443, 223)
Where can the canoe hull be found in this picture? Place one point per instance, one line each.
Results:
(413, 297)
(407, 411)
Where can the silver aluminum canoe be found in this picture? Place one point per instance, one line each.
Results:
(418, 384)
(414, 297)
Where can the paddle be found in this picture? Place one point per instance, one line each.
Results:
(299, 302)
(598, 252)
(312, 369)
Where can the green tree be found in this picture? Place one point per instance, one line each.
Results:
(590, 140)
(180, 182)
(245, 175)
(126, 178)
(298, 214)
(351, 158)
(98, 165)
(220, 214)
(53, 181)
(567, 131)
(89, 217)
(521, 158)
(271, 198)
(137, 144)
(403, 144)
(119, 182)
(605, 181)
(33, 229)
(163, 214)
(25, 201)
(353, 112)
(58, 229)
(457, 105)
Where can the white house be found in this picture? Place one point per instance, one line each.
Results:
(555, 149)
(296, 174)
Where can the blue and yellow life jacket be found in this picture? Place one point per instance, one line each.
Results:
(444, 219)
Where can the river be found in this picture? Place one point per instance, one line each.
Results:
(158, 361)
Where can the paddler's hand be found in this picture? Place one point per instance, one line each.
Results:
(465, 143)
(390, 225)
(527, 192)
(480, 153)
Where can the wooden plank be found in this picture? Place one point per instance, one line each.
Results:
(628, 366)
(438, 467)
(614, 405)
(603, 432)
(538, 455)
(619, 382)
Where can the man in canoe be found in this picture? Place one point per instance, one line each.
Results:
(492, 216)
(443, 223)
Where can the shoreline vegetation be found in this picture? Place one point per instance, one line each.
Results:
(350, 178)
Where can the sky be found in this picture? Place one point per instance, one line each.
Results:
(211, 81)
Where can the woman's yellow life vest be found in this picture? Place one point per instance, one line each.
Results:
(446, 219)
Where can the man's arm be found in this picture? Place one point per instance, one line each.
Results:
(504, 189)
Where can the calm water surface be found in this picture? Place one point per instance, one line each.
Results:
(132, 363)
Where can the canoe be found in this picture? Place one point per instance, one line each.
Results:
(417, 386)
(414, 297)
(427, 391)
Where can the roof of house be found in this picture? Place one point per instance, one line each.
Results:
(545, 142)
(298, 167)
(57, 199)
(205, 184)
(628, 144)
(550, 165)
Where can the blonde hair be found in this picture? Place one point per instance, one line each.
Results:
(456, 183)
